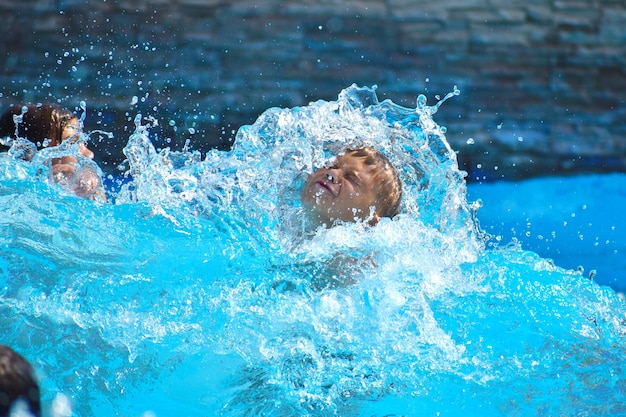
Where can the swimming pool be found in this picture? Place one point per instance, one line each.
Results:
(200, 291)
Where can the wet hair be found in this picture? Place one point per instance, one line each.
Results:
(42, 124)
(387, 178)
(17, 382)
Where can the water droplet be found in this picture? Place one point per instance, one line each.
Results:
(172, 123)
(61, 406)
(470, 141)
(134, 100)
(520, 139)
(592, 274)
(499, 126)
(192, 130)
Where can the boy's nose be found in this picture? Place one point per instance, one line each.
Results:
(334, 176)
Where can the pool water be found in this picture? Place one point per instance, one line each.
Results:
(200, 289)
(572, 220)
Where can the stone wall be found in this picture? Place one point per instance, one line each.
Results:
(543, 82)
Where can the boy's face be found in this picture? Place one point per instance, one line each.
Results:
(345, 191)
(71, 131)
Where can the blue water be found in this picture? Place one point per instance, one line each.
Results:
(199, 289)
(574, 220)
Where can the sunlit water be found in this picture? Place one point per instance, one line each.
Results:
(200, 290)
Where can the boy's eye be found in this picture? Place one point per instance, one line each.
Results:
(353, 179)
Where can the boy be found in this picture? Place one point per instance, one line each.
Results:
(361, 185)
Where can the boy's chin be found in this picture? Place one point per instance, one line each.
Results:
(316, 217)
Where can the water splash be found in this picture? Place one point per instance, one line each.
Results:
(202, 292)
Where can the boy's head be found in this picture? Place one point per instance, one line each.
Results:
(17, 383)
(361, 185)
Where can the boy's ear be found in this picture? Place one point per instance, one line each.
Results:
(374, 220)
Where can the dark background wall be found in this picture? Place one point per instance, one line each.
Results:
(543, 82)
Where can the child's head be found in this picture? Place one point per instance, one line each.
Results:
(43, 124)
(17, 383)
(361, 185)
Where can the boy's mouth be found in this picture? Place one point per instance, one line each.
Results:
(324, 186)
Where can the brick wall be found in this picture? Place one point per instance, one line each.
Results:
(543, 82)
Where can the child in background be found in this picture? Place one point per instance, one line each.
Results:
(361, 185)
(18, 387)
(49, 125)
